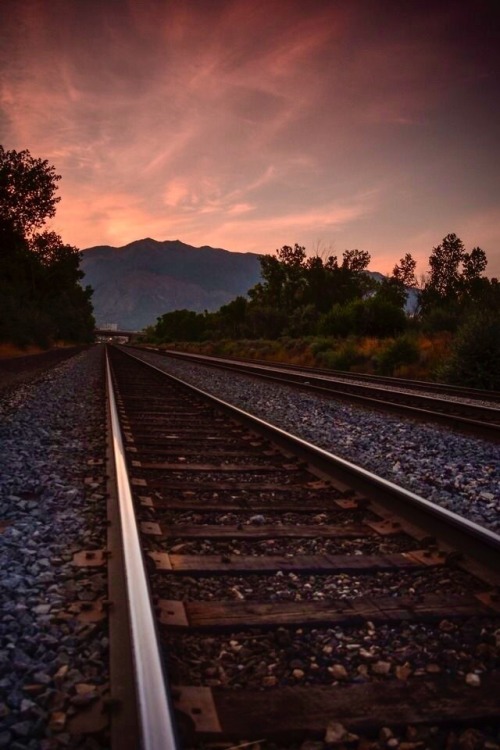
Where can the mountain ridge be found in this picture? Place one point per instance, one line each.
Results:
(136, 283)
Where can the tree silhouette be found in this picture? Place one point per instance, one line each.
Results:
(27, 190)
(41, 299)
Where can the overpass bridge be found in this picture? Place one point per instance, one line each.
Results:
(107, 334)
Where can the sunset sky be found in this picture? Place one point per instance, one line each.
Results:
(250, 124)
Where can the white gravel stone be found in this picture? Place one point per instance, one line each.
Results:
(48, 430)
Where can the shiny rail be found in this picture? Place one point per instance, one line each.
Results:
(155, 710)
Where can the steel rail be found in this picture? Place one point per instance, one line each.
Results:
(431, 386)
(308, 376)
(463, 534)
(155, 709)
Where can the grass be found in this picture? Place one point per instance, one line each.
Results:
(10, 351)
(354, 354)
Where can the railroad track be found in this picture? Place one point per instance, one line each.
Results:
(388, 394)
(434, 387)
(294, 596)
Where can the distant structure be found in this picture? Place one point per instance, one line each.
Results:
(104, 334)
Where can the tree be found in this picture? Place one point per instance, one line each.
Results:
(297, 287)
(320, 283)
(27, 190)
(292, 257)
(60, 294)
(283, 281)
(355, 260)
(474, 263)
(271, 290)
(292, 260)
(349, 282)
(180, 325)
(445, 263)
(394, 289)
(373, 316)
(19, 272)
(41, 298)
(473, 284)
(455, 279)
(404, 272)
(231, 318)
(14, 255)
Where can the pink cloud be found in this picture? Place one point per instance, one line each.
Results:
(254, 123)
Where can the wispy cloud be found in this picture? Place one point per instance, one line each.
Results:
(251, 123)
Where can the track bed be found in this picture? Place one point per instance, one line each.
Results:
(290, 606)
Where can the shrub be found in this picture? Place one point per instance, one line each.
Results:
(302, 321)
(344, 358)
(380, 317)
(440, 319)
(401, 351)
(337, 322)
(475, 354)
(320, 345)
(374, 316)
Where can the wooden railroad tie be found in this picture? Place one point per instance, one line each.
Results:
(237, 564)
(241, 614)
(291, 713)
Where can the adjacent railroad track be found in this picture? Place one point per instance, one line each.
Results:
(289, 594)
(460, 408)
(434, 387)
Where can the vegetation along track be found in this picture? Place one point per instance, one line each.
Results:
(458, 408)
(291, 602)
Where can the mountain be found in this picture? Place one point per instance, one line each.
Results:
(135, 284)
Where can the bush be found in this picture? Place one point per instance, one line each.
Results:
(402, 351)
(380, 317)
(440, 319)
(374, 316)
(320, 345)
(302, 321)
(475, 355)
(343, 358)
(266, 321)
(337, 322)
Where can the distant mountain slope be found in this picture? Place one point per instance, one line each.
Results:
(135, 284)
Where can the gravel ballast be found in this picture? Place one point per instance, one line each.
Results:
(52, 504)
(458, 472)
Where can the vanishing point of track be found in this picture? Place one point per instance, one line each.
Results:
(224, 504)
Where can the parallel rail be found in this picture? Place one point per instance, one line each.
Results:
(475, 418)
(186, 457)
(390, 382)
